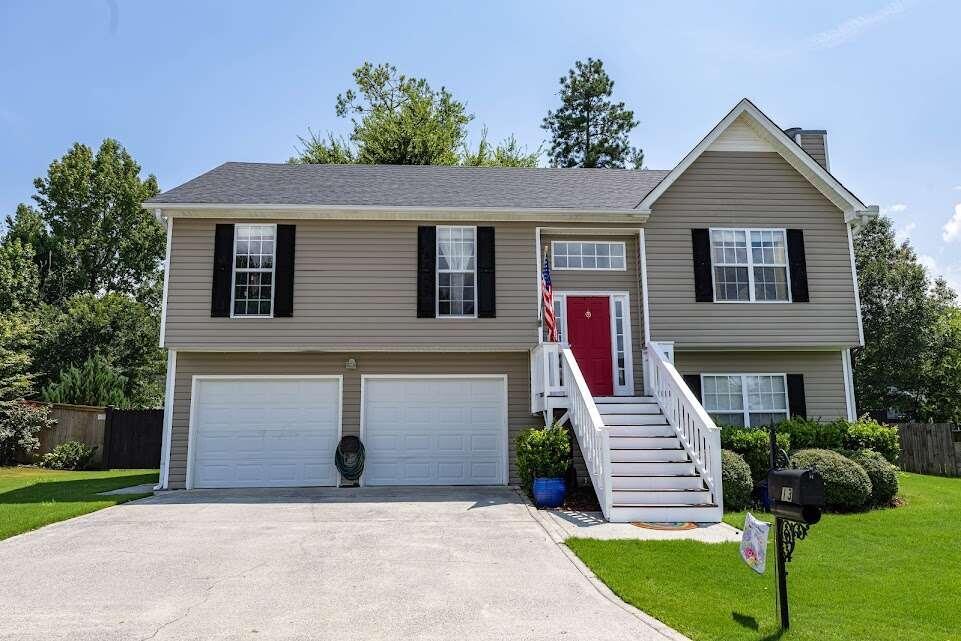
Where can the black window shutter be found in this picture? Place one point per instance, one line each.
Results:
(694, 383)
(703, 285)
(426, 271)
(798, 266)
(795, 395)
(284, 271)
(223, 271)
(486, 277)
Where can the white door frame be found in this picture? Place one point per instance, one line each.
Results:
(505, 435)
(191, 453)
(619, 390)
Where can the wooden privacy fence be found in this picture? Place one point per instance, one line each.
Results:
(82, 423)
(930, 448)
(132, 438)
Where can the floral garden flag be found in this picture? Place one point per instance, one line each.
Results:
(754, 543)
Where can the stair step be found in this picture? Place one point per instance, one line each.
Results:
(665, 513)
(625, 399)
(640, 430)
(628, 408)
(670, 454)
(651, 468)
(633, 419)
(661, 482)
(644, 442)
(662, 497)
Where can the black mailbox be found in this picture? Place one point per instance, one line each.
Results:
(796, 495)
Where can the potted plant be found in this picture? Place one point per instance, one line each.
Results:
(543, 455)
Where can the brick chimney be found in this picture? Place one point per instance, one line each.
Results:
(813, 141)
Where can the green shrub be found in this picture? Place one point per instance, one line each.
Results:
(71, 455)
(847, 486)
(96, 382)
(809, 434)
(754, 445)
(883, 475)
(20, 423)
(736, 478)
(543, 452)
(868, 434)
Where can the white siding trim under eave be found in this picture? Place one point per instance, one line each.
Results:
(163, 303)
(164, 480)
(642, 251)
(191, 421)
(849, 397)
(857, 291)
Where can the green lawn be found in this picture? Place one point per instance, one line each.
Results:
(32, 497)
(892, 574)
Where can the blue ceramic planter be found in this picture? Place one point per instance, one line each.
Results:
(549, 492)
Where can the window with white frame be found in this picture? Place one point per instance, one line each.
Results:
(745, 399)
(456, 272)
(253, 291)
(596, 255)
(620, 340)
(750, 265)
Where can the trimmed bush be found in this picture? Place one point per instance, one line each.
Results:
(542, 452)
(72, 455)
(883, 475)
(20, 423)
(847, 486)
(736, 478)
(868, 434)
(754, 445)
(809, 434)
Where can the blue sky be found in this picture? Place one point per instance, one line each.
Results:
(187, 85)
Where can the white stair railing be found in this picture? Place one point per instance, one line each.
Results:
(589, 429)
(694, 426)
(545, 376)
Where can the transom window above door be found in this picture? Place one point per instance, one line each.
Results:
(254, 254)
(745, 399)
(591, 255)
(456, 272)
(750, 265)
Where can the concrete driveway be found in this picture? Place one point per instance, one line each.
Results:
(306, 564)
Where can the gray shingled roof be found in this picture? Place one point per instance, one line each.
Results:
(414, 186)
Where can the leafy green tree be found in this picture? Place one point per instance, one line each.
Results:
(589, 129)
(508, 153)
(88, 231)
(17, 340)
(317, 150)
(96, 382)
(903, 315)
(116, 327)
(944, 397)
(19, 277)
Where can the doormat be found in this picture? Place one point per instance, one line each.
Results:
(674, 526)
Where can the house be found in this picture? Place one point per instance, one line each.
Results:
(403, 305)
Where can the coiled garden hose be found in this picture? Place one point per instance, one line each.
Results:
(349, 457)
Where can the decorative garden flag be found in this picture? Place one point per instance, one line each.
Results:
(754, 543)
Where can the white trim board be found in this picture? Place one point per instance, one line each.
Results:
(191, 453)
(169, 391)
(163, 303)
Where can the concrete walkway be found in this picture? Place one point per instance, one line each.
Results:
(415, 563)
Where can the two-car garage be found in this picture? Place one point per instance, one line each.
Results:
(281, 431)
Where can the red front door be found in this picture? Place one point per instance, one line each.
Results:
(589, 335)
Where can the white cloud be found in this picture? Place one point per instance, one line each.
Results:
(952, 229)
(957, 188)
(896, 208)
(852, 28)
(904, 232)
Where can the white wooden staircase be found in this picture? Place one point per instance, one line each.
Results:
(650, 458)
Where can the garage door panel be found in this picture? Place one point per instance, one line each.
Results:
(435, 431)
(265, 432)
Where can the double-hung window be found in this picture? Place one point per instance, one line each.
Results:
(745, 399)
(750, 265)
(253, 287)
(457, 272)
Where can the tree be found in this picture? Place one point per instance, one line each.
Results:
(901, 364)
(509, 153)
(19, 277)
(589, 129)
(397, 120)
(17, 340)
(89, 232)
(96, 382)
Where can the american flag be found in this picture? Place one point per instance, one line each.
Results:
(549, 321)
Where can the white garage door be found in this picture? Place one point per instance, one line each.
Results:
(264, 432)
(435, 431)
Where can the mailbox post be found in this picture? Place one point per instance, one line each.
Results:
(797, 497)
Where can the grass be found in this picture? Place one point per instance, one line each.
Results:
(33, 497)
(885, 575)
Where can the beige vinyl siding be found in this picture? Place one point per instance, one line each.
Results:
(814, 145)
(515, 365)
(822, 371)
(628, 280)
(355, 288)
(748, 189)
